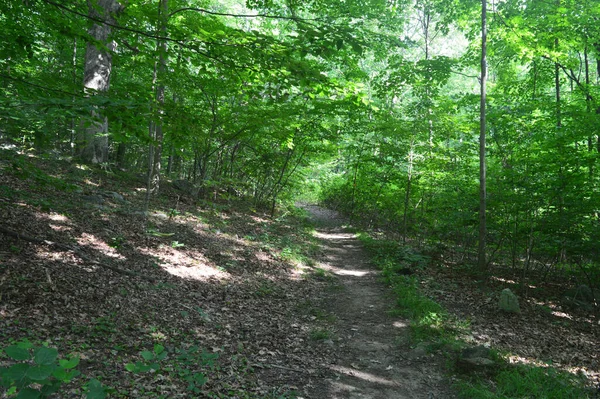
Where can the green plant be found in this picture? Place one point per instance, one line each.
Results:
(173, 212)
(151, 359)
(525, 382)
(321, 274)
(319, 334)
(116, 242)
(15, 249)
(39, 373)
(184, 364)
(177, 244)
(105, 325)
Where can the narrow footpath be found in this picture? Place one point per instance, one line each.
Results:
(374, 357)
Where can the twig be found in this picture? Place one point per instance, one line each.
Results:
(76, 251)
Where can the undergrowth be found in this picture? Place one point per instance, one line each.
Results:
(433, 324)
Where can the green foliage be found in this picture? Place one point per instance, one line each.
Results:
(525, 382)
(38, 372)
(184, 364)
(320, 334)
(429, 321)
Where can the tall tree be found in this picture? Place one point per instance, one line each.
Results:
(96, 79)
(481, 252)
(156, 125)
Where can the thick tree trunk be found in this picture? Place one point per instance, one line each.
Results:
(93, 140)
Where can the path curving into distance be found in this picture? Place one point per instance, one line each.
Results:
(374, 358)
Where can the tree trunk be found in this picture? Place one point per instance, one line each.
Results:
(481, 256)
(407, 193)
(157, 133)
(121, 153)
(93, 139)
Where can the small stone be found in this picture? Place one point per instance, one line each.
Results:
(509, 301)
(475, 358)
(93, 199)
(114, 196)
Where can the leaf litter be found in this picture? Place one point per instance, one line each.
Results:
(211, 278)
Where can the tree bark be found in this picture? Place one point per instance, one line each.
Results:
(481, 253)
(93, 139)
(157, 145)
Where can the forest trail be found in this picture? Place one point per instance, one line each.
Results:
(374, 359)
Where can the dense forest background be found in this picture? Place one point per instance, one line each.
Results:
(369, 106)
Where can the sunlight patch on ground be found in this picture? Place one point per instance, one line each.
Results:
(56, 227)
(43, 253)
(181, 264)
(58, 217)
(515, 359)
(364, 376)
(355, 273)
(346, 272)
(90, 240)
(507, 281)
(91, 183)
(400, 324)
(562, 314)
(300, 271)
(575, 370)
(327, 236)
(555, 310)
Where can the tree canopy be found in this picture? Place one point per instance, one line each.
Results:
(371, 106)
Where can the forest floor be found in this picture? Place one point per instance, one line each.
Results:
(190, 298)
(216, 299)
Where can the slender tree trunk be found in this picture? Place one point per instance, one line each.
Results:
(156, 148)
(121, 153)
(72, 138)
(278, 185)
(481, 253)
(93, 141)
(408, 191)
(557, 88)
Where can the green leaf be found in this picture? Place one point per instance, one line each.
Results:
(29, 393)
(16, 353)
(40, 372)
(147, 355)
(45, 356)
(51, 388)
(70, 363)
(64, 375)
(199, 379)
(158, 348)
(17, 372)
(95, 390)
(130, 367)
(25, 344)
(142, 368)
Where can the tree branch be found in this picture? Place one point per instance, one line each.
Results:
(221, 14)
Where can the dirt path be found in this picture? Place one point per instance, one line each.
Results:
(374, 359)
